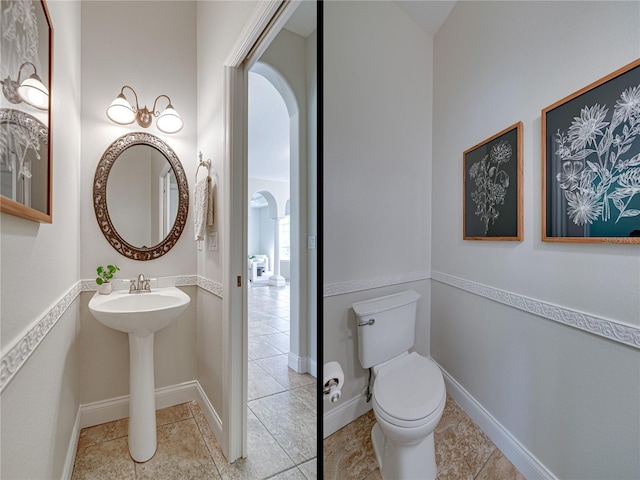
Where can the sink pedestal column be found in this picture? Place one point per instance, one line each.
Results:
(142, 398)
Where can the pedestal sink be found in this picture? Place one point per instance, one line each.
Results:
(140, 315)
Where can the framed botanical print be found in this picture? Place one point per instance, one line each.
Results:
(25, 109)
(492, 189)
(591, 162)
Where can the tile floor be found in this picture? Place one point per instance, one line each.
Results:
(282, 419)
(463, 451)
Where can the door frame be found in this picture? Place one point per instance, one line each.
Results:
(267, 20)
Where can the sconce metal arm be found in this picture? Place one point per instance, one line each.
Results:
(155, 112)
(134, 94)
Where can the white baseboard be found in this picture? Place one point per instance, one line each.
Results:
(335, 419)
(71, 451)
(97, 413)
(209, 412)
(522, 459)
(302, 364)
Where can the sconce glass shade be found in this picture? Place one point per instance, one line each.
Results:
(120, 111)
(169, 121)
(33, 92)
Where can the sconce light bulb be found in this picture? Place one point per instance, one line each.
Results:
(33, 92)
(120, 111)
(169, 121)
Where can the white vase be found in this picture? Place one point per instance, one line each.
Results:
(105, 288)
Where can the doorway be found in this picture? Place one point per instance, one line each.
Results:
(260, 45)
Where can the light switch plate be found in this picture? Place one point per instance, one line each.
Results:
(213, 241)
(311, 242)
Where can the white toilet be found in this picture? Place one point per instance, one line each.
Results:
(408, 389)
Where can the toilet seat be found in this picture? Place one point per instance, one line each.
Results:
(409, 391)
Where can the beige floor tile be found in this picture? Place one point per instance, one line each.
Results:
(291, 474)
(292, 423)
(309, 469)
(261, 328)
(260, 383)
(278, 368)
(103, 433)
(308, 394)
(278, 323)
(461, 447)
(499, 467)
(279, 341)
(173, 414)
(264, 459)
(259, 348)
(104, 461)
(181, 455)
(348, 453)
(375, 475)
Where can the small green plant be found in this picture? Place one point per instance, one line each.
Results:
(106, 274)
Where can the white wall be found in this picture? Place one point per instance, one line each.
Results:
(376, 172)
(218, 26)
(97, 49)
(571, 398)
(39, 264)
(279, 190)
(261, 233)
(289, 55)
(312, 192)
(153, 63)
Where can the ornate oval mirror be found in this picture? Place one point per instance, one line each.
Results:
(140, 196)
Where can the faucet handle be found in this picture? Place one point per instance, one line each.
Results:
(132, 285)
(146, 285)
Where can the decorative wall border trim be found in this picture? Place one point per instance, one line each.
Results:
(611, 329)
(22, 348)
(342, 288)
(210, 286)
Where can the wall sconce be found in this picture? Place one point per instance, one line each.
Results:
(31, 91)
(121, 112)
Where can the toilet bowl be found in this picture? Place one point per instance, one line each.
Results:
(408, 401)
(408, 389)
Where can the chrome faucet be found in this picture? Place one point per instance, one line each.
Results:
(141, 285)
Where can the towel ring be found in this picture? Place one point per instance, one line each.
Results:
(203, 163)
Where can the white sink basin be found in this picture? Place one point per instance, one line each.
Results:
(139, 313)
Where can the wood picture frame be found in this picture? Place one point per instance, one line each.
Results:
(591, 162)
(26, 161)
(492, 187)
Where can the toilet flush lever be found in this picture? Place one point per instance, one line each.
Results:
(370, 322)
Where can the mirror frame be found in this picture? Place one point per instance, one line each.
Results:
(101, 209)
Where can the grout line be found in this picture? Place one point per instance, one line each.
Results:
(495, 449)
(206, 445)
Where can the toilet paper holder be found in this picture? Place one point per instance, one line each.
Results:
(330, 388)
(333, 381)
(327, 386)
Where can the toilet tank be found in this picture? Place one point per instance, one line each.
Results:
(389, 327)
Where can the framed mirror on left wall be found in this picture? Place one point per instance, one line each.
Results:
(25, 110)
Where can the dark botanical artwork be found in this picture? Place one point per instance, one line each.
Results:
(492, 187)
(591, 162)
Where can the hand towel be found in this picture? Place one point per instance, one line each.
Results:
(210, 204)
(201, 198)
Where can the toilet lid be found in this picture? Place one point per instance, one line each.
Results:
(409, 388)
